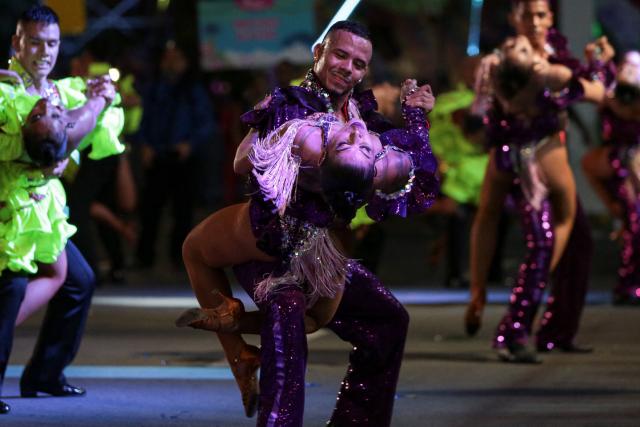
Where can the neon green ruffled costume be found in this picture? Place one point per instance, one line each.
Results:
(33, 219)
(462, 163)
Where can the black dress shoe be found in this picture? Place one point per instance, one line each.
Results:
(4, 408)
(59, 390)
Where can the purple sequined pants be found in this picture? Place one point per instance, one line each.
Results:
(628, 287)
(369, 317)
(559, 323)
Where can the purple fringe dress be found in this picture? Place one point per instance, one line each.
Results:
(369, 316)
(624, 138)
(515, 143)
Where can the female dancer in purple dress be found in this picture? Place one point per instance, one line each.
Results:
(614, 171)
(529, 89)
(368, 315)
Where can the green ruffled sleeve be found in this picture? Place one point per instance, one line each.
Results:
(10, 124)
(103, 139)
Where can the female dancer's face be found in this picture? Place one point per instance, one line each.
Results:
(518, 51)
(351, 143)
(47, 118)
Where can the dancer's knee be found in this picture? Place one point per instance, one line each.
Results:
(190, 250)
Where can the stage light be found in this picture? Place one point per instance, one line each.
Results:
(114, 73)
(343, 13)
(475, 19)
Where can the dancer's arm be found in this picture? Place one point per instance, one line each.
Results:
(241, 163)
(9, 76)
(84, 118)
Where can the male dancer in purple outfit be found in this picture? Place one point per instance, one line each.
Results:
(369, 316)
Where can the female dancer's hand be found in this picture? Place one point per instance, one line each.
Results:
(9, 76)
(57, 169)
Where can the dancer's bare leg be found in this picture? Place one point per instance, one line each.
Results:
(495, 187)
(43, 287)
(598, 170)
(206, 257)
(223, 239)
(554, 164)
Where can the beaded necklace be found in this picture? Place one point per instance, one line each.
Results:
(410, 179)
(312, 84)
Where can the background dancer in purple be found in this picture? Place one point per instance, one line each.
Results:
(368, 315)
(614, 172)
(526, 131)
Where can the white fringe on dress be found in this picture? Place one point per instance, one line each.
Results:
(275, 167)
(532, 179)
(318, 265)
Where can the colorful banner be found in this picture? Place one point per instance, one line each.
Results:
(254, 33)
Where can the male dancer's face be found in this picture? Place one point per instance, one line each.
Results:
(36, 45)
(532, 19)
(341, 61)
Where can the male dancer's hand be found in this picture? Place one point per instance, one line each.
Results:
(599, 50)
(414, 96)
(101, 87)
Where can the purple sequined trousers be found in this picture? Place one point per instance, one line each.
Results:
(570, 281)
(369, 317)
(533, 275)
(628, 287)
(624, 138)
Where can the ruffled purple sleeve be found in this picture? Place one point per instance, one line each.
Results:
(422, 186)
(595, 70)
(288, 103)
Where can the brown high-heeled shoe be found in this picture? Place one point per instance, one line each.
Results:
(223, 317)
(245, 368)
